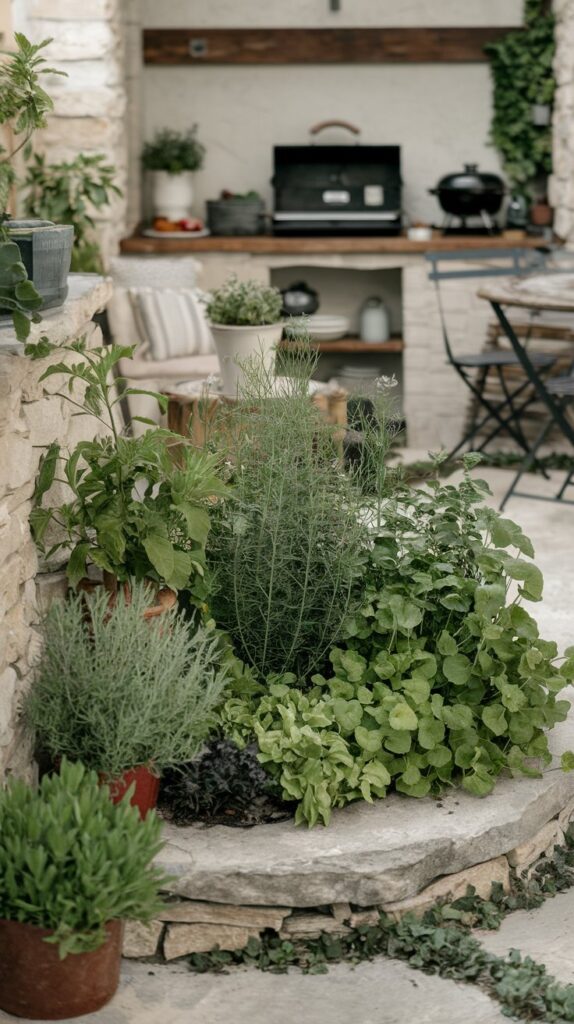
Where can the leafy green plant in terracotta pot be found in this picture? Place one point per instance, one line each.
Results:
(136, 509)
(73, 867)
(125, 696)
(171, 158)
(246, 323)
(34, 255)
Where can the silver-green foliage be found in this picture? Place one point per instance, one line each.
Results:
(245, 304)
(116, 691)
(71, 860)
(286, 551)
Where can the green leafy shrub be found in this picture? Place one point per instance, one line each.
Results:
(442, 678)
(71, 860)
(245, 304)
(116, 691)
(135, 511)
(285, 553)
(66, 192)
(174, 151)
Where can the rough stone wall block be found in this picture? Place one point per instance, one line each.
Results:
(35, 417)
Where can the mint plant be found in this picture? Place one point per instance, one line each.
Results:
(442, 677)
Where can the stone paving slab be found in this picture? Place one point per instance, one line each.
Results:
(381, 992)
(544, 934)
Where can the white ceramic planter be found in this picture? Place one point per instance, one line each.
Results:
(172, 194)
(235, 346)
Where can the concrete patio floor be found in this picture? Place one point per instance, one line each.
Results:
(383, 991)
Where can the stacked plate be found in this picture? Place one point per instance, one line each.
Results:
(319, 327)
(358, 380)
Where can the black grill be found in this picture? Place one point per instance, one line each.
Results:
(334, 190)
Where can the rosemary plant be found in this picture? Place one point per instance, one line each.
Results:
(115, 691)
(286, 553)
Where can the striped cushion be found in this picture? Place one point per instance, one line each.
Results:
(171, 322)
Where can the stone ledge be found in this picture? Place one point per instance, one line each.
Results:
(87, 294)
(187, 926)
(370, 854)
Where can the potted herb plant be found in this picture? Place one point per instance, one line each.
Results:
(73, 867)
(124, 696)
(66, 192)
(136, 510)
(246, 322)
(34, 254)
(172, 157)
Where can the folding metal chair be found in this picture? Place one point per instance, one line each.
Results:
(474, 368)
(562, 389)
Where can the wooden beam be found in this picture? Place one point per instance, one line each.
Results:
(202, 46)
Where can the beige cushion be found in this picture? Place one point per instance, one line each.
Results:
(182, 368)
(171, 322)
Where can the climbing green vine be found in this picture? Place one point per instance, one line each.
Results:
(521, 65)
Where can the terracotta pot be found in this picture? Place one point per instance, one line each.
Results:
(541, 215)
(35, 983)
(163, 598)
(146, 788)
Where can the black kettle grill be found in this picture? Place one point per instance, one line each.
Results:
(470, 193)
(336, 190)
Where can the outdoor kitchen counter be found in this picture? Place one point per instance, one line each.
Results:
(281, 245)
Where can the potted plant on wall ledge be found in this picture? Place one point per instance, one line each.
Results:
(125, 697)
(34, 254)
(135, 510)
(172, 157)
(72, 867)
(246, 322)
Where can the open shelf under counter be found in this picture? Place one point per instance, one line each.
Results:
(352, 344)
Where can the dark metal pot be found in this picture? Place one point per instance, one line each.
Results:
(299, 299)
(469, 193)
(46, 252)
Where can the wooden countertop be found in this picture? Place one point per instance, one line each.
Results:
(278, 245)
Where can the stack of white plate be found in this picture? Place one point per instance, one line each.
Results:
(320, 328)
(358, 380)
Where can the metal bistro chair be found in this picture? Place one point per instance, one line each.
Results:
(474, 368)
(562, 390)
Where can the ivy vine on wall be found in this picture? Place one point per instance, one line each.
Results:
(522, 71)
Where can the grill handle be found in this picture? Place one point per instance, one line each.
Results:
(335, 124)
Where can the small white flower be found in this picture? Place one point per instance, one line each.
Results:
(386, 383)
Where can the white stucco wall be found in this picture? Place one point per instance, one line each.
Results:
(438, 113)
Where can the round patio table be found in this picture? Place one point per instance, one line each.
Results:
(549, 292)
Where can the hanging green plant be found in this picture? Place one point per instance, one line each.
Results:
(522, 71)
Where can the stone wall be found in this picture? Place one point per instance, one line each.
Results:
(32, 415)
(90, 105)
(562, 180)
